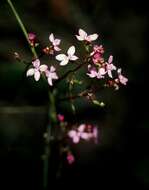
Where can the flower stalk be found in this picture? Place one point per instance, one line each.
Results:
(22, 27)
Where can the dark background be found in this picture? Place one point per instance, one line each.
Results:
(121, 158)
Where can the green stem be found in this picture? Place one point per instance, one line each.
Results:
(22, 27)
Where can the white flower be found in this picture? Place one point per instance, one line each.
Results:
(83, 36)
(55, 42)
(51, 74)
(64, 59)
(37, 70)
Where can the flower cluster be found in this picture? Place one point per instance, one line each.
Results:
(96, 65)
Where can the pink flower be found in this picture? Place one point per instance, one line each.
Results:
(37, 70)
(55, 42)
(83, 133)
(51, 74)
(84, 37)
(123, 80)
(60, 117)
(70, 158)
(94, 73)
(64, 59)
(97, 53)
(110, 67)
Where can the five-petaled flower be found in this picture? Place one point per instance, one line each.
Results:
(55, 42)
(83, 36)
(51, 75)
(64, 59)
(37, 70)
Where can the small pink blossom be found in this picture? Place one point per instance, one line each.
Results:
(97, 54)
(70, 158)
(110, 67)
(83, 36)
(94, 73)
(55, 42)
(60, 117)
(123, 80)
(37, 70)
(51, 75)
(64, 59)
(32, 38)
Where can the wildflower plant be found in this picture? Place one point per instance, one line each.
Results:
(95, 67)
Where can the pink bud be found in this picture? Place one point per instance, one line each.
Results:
(70, 158)
(60, 117)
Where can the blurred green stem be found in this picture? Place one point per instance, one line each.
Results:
(49, 137)
(22, 27)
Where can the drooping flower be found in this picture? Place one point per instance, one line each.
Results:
(123, 80)
(64, 59)
(55, 42)
(110, 67)
(51, 75)
(83, 36)
(37, 70)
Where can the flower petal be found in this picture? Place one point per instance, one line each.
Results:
(82, 33)
(76, 139)
(64, 62)
(85, 136)
(72, 133)
(71, 51)
(37, 75)
(57, 41)
(80, 38)
(51, 37)
(43, 68)
(52, 69)
(61, 57)
(73, 58)
(30, 72)
(81, 128)
(110, 74)
(110, 59)
(50, 81)
(92, 37)
(56, 48)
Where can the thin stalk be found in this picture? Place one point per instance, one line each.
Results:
(22, 27)
(50, 136)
